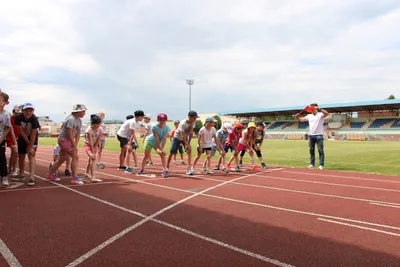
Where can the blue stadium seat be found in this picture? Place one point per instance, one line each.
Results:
(396, 124)
(356, 125)
(378, 123)
(276, 125)
(303, 125)
(288, 125)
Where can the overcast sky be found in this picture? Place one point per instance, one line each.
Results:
(120, 56)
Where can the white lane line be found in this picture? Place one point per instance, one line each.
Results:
(360, 227)
(222, 244)
(302, 212)
(333, 184)
(343, 177)
(55, 187)
(385, 205)
(305, 192)
(8, 255)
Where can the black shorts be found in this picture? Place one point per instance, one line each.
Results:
(204, 149)
(22, 145)
(122, 141)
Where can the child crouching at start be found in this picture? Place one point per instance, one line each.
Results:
(93, 136)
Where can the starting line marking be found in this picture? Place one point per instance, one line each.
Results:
(8, 255)
(361, 227)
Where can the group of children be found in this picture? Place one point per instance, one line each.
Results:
(20, 133)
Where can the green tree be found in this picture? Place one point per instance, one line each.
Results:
(218, 123)
(197, 125)
(391, 97)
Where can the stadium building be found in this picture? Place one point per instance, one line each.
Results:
(360, 121)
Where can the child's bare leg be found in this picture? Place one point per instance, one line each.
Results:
(21, 161)
(99, 154)
(162, 156)
(122, 155)
(128, 157)
(195, 160)
(74, 163)
(63, 157)
(134, 157)
(208, 160)
(32, 166)
(92, 163)
(68, 163)
(144, 159)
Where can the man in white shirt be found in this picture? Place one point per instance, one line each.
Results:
(316, 134)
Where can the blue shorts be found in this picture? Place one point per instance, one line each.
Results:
(226, 148)
(176, 145)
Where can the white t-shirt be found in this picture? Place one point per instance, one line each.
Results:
(56, 150)
(316, 123)
(245, 133)
(184, 127)
(207, 136)
(127, 126)
(4, 121)
(95, 134)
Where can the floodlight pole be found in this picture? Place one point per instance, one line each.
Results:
(190, 82)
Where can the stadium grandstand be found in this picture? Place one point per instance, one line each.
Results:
(355, 121)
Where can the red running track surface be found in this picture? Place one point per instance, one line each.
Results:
(275, 217)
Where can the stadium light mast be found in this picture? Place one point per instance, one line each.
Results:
(190, 82)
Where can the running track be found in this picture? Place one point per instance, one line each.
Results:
(275, 217)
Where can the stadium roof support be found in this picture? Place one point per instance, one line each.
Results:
(371, 106)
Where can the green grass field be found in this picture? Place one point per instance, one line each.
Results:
(370, 157)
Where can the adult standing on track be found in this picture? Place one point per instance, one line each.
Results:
(316, 133)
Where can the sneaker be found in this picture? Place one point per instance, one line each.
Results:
(4, 181)
(76, 180)
(225, 170)
(121, 168)
(129, 170)
(14, 174)
(237, 169)
(189, 172)
(228, 166)
(240, 163)
(209, 172)
(310, 166)
(164, 174)
(151, 163)
(175, 162)
(320, 167)
(100, 165)
(31, 182)
(183, 162)
(18, 178)
(264, 166)
(95, 180)
(204, 168)
(67, 172)
(141, 171)
(136, 167)
(52, 177)
(216, 168)
(255, 168)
